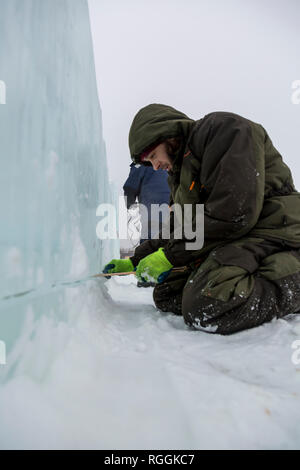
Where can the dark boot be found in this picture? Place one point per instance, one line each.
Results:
(146, 284)
(168, 295)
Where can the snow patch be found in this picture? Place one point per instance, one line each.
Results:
(134, 377)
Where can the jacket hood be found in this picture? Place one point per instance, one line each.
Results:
(155, 123)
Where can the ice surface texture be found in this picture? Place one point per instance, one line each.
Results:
(53, 160)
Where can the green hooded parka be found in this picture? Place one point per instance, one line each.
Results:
(248, 269)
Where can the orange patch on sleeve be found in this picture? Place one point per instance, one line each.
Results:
(192, 185)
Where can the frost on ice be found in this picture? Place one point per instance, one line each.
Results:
(54, 170)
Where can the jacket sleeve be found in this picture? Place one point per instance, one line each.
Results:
(231, 153)
(132, 185)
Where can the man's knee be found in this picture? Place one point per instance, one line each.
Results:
(268, 300)
(200, 312)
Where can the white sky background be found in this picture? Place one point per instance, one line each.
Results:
(198, 56)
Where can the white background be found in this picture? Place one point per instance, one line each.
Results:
(198, 56)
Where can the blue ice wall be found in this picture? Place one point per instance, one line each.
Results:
(53, 162)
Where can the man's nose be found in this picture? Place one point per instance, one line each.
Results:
(155, 165)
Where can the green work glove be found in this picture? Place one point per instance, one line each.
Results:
(154, 267)
(118, 266)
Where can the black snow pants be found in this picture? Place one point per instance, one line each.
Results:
(238, 286)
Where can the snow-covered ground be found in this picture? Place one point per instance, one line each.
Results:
(121, 375)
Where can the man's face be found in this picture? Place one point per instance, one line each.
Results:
(159, 158)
